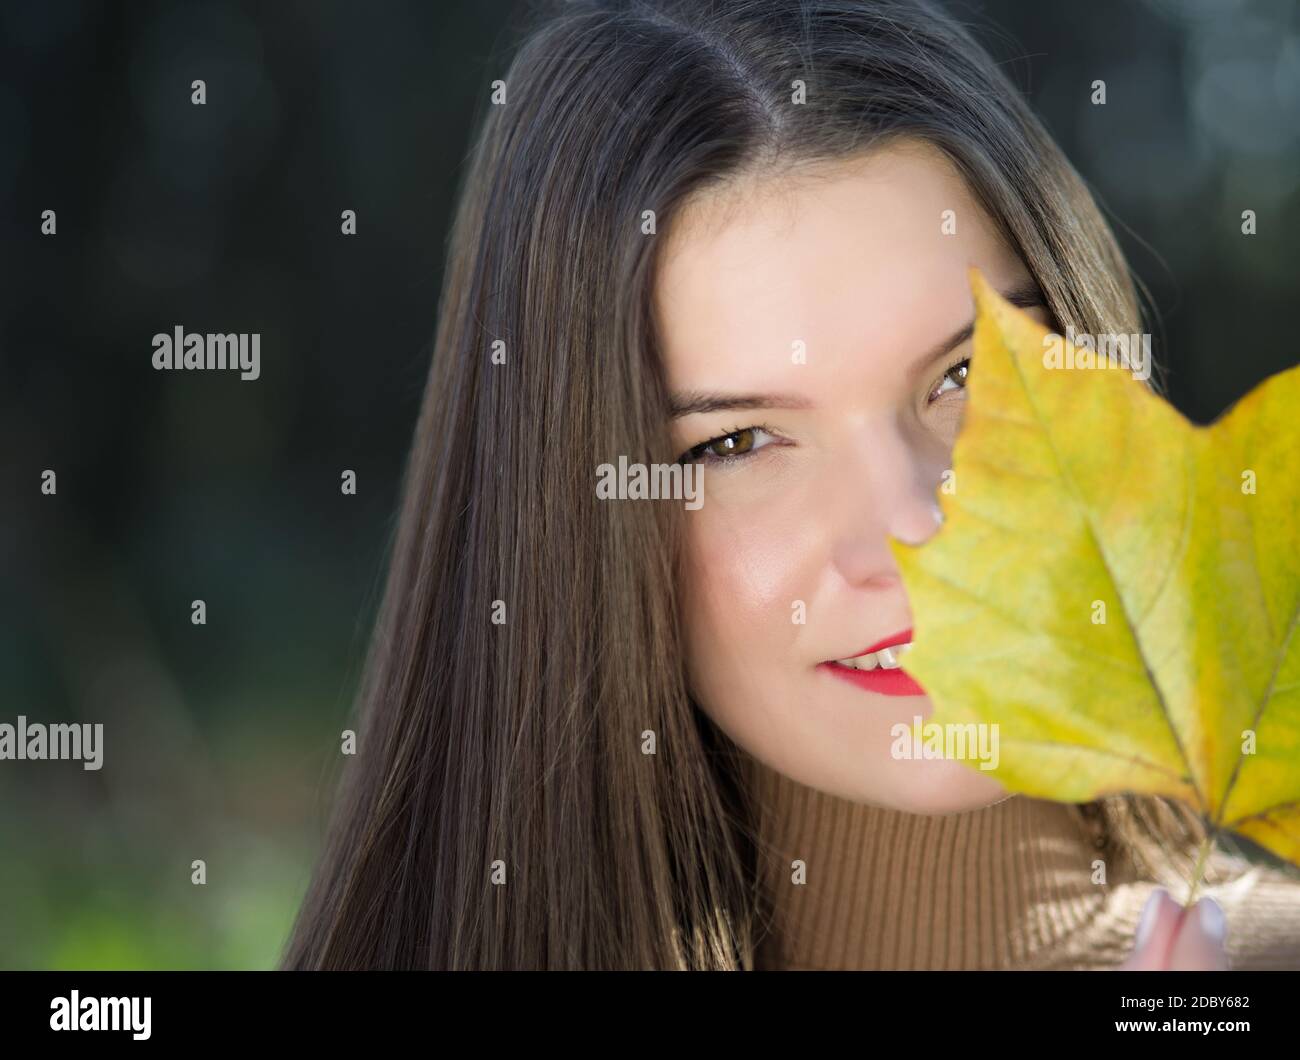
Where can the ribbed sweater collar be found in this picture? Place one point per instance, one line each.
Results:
(1005, 886)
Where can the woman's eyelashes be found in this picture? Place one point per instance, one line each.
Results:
(956, 375)
(744, 442)
(730, 448)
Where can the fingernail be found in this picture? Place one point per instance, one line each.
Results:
(1213, 923)
(1148, 921)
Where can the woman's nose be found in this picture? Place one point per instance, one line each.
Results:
(917, 521)
(889, 490)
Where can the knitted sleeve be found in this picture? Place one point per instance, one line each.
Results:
(1261, 903)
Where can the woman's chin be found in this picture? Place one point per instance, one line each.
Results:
(946, 787)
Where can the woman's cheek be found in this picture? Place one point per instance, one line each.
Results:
(748, 571)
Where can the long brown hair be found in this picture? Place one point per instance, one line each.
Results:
(501, 811)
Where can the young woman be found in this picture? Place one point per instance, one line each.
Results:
(591, 734)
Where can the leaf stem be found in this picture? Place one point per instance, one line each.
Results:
(1198, 872)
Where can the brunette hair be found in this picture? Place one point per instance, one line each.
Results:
(528, 642)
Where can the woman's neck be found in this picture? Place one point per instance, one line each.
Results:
(1000, 887)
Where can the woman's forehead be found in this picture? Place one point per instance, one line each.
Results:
(877, 245)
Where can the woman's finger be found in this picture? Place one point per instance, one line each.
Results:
(1156, 932)
(1199, 945)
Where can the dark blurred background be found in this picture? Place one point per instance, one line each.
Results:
(173, 487)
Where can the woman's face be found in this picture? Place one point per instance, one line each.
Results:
(814, 330)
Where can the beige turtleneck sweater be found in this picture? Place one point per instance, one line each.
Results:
(1008, 886)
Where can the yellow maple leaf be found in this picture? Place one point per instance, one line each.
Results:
(1116, 588)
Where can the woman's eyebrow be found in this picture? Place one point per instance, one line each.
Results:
(1024, 296)
(692, 402)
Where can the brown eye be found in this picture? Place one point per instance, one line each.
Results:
(732, 444)
(956, 375)
(731, 448)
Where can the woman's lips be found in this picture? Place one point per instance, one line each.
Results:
(886, 681)
(903, 636)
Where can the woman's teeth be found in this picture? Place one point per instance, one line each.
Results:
(886, 659)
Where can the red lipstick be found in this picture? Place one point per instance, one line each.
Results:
(904, 637)
(894, 682)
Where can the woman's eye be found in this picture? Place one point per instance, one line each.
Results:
(956, 375)
(730, 447)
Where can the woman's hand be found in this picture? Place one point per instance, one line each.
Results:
(1173, 938)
